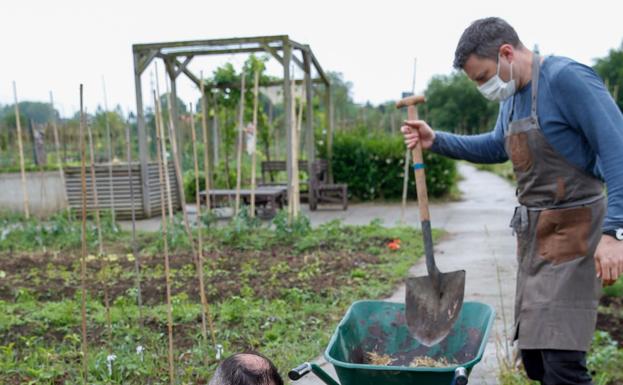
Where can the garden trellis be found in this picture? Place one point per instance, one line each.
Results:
(177, 56)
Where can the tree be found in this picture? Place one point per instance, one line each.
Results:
(344, 109)
(455, 105)
(36, 112)
(117, 124)
(610, 68)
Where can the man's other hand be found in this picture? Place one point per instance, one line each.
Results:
(609, 259)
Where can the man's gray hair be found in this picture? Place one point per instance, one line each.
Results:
(483, 38)
(249, 368)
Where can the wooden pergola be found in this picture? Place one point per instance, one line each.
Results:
(177, 56)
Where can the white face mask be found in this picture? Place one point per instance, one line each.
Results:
(496, 89)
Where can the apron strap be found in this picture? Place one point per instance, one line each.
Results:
(536, 60)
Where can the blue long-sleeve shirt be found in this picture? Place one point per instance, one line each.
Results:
(578, 118)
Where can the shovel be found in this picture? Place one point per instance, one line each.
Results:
(433, 302)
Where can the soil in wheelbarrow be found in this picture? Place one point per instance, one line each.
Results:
(373, 349)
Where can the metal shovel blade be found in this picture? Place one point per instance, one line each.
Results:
(432, 309)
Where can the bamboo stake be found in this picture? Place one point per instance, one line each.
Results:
(99, 233)
(164, 147)
(173, 142)
(206, 155)
(20, 147)
(215, 136)
(94, 192)
(43, 190)
(166, 256)
(135, 253)
(83, 259)
(239, 148)
(405, 186)
(256, 85)
(178, 172)
(109, 147)
(405, 182)
(57, 147)
(205, 314)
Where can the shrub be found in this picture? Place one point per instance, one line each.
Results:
(373, 167)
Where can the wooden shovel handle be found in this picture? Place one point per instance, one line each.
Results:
(418, 168)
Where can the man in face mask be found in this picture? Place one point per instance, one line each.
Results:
(563, 133)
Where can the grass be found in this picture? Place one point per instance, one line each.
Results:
(280, 290)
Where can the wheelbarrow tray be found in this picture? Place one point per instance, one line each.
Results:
(379, 326)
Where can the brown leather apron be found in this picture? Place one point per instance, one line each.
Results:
(558, 227)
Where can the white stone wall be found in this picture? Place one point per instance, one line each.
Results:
(46, 193)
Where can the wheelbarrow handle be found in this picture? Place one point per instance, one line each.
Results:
(460, 376)
(299, 371)
(303, 369)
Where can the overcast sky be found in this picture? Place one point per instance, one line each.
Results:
(56, 45)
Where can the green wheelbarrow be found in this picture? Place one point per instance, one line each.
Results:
(380, 327)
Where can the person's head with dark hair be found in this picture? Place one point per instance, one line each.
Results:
(483, 38)
(248, 368)
(491, 54)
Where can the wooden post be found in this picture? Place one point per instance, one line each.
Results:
(20, 148)
(205, 314)
(256, 84)
(296, 144)
(329, 125)
(83, 259)
(239, 147)
(272, 131)
(160, 123)
(206, 147)
(167, 272)
(111, 190)
(309, 127)
(57, 147)
(287, 118)
(143, 154)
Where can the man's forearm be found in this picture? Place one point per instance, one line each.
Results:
(483, 148)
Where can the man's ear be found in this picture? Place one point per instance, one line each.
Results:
(507, 51)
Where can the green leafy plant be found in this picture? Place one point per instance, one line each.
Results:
(373, 167)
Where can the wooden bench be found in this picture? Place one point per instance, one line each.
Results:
(268, 199)
(270, 167)
(322, 190)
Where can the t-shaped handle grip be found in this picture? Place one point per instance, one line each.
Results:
(411, 101)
